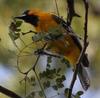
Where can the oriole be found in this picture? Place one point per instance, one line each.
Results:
(68, 46)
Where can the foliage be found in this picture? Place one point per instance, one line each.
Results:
(50, 77)
(49, 72)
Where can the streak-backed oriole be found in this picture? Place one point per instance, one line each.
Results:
(69, 46)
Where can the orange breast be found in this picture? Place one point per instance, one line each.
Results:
(65, 46)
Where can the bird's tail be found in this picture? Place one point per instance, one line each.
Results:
(83, 77)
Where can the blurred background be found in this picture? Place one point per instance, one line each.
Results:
(9, 75)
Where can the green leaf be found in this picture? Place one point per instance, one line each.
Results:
(42, 74)
(46, 84)
(58, 70)
(80, 93)
(63, 78)
(66, 91)
(59, 83)
(49, 59)
(18, 23)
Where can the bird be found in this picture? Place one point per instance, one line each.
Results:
(69, 45)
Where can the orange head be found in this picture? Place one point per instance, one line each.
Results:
(42, 21)
(31, 16)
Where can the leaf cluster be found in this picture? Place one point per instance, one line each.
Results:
(14, 29)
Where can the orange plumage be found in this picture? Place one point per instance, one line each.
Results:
(68, 46)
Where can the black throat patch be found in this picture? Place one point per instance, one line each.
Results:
(32, 19)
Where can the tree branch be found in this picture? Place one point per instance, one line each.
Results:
(71, 11)
(85, 44)
(9, 93)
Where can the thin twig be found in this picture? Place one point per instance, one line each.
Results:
(40, 84)
(18, 59)
(86, 17)
(22, 41)
(9, 93)
(16, 46)
(41, 52)
(34, 66)
(85, 44)
(25, 85)
(57, 8)
(24, 33)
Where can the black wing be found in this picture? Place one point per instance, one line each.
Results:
(75, 38)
